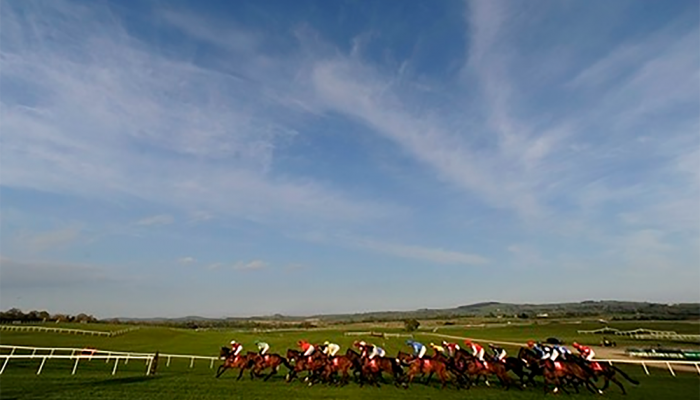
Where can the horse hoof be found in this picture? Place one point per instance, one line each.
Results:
(555, 390)
(600, 391)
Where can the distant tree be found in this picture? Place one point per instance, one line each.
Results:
(523, 316)
(411, 324)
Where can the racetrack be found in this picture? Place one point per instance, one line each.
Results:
(94, 379)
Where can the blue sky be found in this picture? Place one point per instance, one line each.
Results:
(245, 158)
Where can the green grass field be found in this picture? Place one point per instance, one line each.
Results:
(93, 379)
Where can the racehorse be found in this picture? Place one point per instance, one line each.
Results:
(558, 372)
(232, 361)
(372, 369)
(475, 367)
(272, 361)
(336, 364)
(605, 370)
(530, 359)
(303, 363)
(424, 366)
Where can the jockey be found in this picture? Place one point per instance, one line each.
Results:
(438, 349)
(262, 347)
(477, 350)
(236, 348)
(376, 352)
(418, 348)
(563, 351)
(452, 348)
(499, 354)
(307, 347)
(537, 349)
(330, 349)
(586, 352)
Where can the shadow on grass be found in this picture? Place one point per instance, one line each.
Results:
(121, 381)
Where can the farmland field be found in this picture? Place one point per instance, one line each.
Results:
(93, 379)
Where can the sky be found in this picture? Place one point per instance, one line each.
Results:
(215, 158)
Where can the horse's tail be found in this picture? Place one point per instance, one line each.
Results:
(629, 378)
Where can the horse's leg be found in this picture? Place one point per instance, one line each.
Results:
(618, 383)
(240, 374)
(221, 370)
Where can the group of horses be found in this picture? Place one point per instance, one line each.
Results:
(462, 370)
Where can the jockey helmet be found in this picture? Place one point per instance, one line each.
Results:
(233, 342)
(530, 343)
(362, 343)
(326, 343)
(467, 342)
(576, 345)
(409, 342)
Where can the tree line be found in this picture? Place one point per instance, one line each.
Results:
(15, 315)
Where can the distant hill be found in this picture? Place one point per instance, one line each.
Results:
(607, 308)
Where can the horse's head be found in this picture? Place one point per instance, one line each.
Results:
(404, 358)
(224, 352)
(292, 355)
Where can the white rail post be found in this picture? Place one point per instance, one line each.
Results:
(168, 363)
(75, 367)
(148, 368)
(211, 364)
(670, 368)
(41, 366)
(33, 352)
(645, 368)
(697, 367)
(192, 362)
(7, 359)
(127, 359)
(116, 362)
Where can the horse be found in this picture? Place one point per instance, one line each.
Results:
(475, 367)
(517, 366)
(272, 361)
(342, 364)
(303, 363)
(531, 361)
(605, 370)
(234, 361)
(558, 372)
(372, 369)
(424, 366)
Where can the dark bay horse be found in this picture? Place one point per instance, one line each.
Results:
(605, 370)
(232, 361)
(271, 361)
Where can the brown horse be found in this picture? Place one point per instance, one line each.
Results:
(312, 364)
(338, 364)
(424, 366)
(556, 373)
(271, 361)
(232, 361)
(605, 370)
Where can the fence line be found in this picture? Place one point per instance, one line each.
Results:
(35, 328)
(45, 353)
(378, 334)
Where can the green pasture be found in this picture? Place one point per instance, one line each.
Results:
(93, 379)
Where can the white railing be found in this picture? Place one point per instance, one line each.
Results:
(669, 364)
(45, 353)
(34, 328)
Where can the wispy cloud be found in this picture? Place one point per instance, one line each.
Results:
(250, 265)
(36, 242)
(40, 274)
(107, 115)
(187, 260)
(162, 219)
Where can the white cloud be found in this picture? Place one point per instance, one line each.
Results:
(162, 219)
(250, 265)
(98, 113)
(35, 242)
(187, 260)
